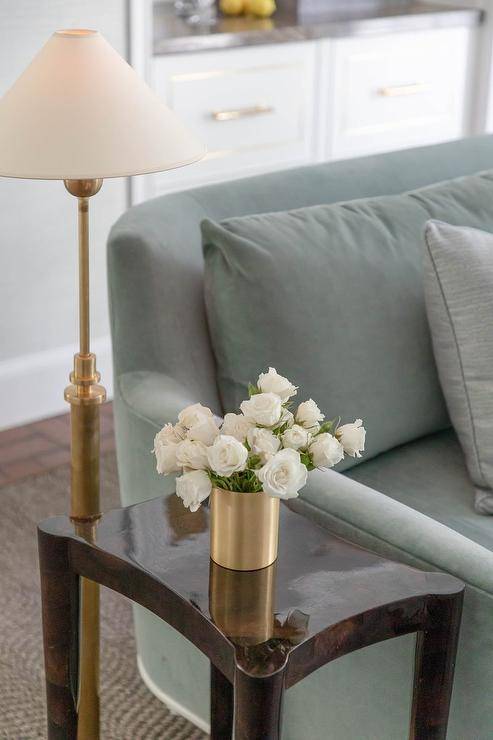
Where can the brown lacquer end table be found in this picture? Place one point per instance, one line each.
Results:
(263, 631)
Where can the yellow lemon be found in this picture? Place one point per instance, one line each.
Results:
(260, 8)
(232, 7)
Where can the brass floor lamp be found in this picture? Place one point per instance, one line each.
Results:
(79, 113)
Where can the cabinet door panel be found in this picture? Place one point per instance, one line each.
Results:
(398, 90)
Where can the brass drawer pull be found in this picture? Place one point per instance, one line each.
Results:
(232, 115)
(395, 91)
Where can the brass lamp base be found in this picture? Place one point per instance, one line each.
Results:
(85, 396)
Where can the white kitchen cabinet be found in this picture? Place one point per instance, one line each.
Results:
(253, 107)
(259, 108)
(396, 91)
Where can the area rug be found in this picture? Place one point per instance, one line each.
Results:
(129, 710)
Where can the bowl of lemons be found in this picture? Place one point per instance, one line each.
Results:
(256, 8)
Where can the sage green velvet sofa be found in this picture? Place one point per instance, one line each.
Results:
(413, 503)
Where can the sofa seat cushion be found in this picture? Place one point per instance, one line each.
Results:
(430, 476)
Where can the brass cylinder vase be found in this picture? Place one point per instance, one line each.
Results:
(244, 529)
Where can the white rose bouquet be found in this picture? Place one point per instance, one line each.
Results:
(266, 447)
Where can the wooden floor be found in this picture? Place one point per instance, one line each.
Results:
(43, 445)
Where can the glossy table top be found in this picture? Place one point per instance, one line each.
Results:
(172, 34)
(318, 582)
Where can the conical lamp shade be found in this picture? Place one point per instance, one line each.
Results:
(79, 111)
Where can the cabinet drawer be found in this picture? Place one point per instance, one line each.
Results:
(252, 107)
(399, 90)
(236, 108)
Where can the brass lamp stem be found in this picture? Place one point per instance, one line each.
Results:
(85, 397)
(84, 326)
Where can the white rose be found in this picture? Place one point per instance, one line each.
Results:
(193, 488)
(326, 451)
(352, 437)
(170, 434)
(309, 415)
(236, 425)
(165, 444)
(194, 414)
(283, 475)
(166, 461)
(271, 382)
(227, 455)
(263, 408)
(263, 443)
(204, 431)
(191, 454)
(296, 438)
(286, 418)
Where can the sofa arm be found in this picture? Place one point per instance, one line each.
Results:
(143, 402)
(154, 396)
(376, 521)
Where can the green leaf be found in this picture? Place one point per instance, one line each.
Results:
(278, 431)
(253, 390)
(306, 459)
(244, 482)
(253, 461)
(335, 423)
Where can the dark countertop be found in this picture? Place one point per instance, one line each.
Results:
(174, 35)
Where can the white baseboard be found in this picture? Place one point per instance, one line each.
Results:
(31, 386)
(173, 706)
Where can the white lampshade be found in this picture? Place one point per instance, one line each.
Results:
(79, 111)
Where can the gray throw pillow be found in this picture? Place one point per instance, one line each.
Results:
(332, 296)
(459, 300)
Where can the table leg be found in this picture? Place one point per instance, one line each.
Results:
(258, 706)
(436, 648)
(221, 706)
(60, 609)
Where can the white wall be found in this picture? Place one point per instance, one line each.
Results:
(38, 234)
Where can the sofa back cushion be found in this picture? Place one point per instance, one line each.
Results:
(332, 296)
